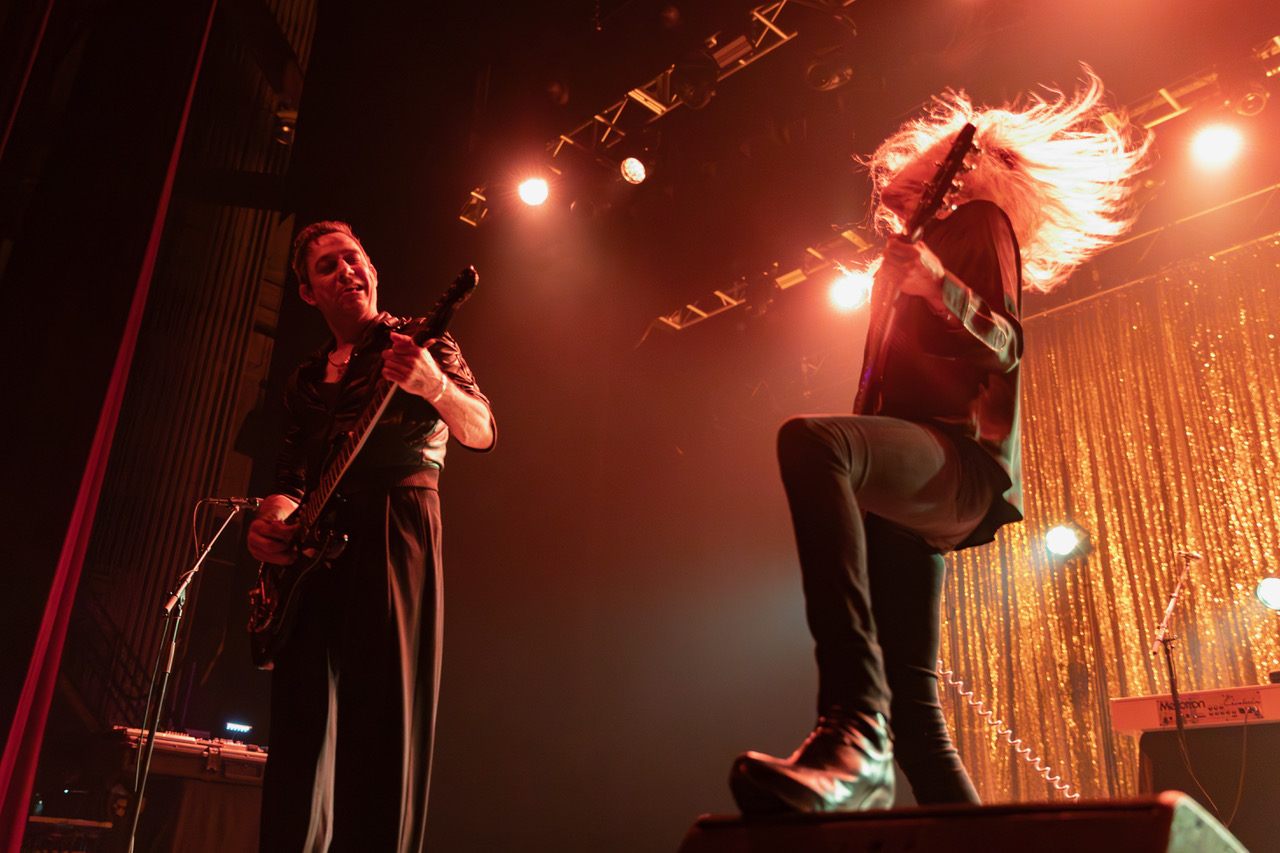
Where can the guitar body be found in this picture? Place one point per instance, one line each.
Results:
(271, 602)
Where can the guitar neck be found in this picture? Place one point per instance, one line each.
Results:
(937, 190)
(319, 497)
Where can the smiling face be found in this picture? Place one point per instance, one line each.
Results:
(340, 281)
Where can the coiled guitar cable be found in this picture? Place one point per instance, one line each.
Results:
(1004, 731)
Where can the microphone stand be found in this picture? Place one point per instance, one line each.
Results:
(172, 612)
(1162, 638)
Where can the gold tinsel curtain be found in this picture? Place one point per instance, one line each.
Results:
(1152, 419)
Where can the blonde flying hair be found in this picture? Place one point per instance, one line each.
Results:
(1062, 168)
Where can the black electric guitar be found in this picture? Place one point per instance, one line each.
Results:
(270, 603)
(933, 197)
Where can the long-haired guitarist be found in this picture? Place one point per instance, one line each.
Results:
(929, 461)
(352, 633)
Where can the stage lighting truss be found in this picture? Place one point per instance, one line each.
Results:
(1166, 104)
(851, 249)
(598, 137)
(1210, 86)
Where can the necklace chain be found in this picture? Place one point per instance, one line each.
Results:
(340, 364)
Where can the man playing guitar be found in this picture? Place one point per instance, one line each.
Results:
(355, 674)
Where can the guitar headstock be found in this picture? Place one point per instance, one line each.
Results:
(942, 185)
(442, 313)
(461, 289)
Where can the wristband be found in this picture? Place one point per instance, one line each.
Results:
(444, 386)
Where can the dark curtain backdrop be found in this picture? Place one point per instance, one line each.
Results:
(1152, 417)
(97, 172)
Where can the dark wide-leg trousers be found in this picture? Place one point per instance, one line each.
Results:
(353, 691)
(874, 501)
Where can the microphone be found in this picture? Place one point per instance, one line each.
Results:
(1190, 555)
(235, 503)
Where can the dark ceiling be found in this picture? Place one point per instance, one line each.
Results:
(408, 109)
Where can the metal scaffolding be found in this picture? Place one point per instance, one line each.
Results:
(599, 137)
(1242, 92)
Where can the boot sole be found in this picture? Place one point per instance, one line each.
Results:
(769, 795)
(755, 799)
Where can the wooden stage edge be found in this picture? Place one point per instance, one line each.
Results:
(1170, 822)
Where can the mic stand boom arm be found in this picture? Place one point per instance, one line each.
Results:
(1187, 558)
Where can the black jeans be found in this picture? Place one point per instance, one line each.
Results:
(874, 501)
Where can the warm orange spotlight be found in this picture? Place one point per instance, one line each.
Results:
(851, 290)
(1217, 145)
(533, 191)
(632, 171)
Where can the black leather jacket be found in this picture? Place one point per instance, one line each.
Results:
(960, 372)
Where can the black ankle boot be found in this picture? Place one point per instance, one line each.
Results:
(845, 765)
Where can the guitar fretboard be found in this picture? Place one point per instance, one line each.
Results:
(355, 441)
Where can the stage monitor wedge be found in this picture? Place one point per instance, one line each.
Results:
(1168, 823)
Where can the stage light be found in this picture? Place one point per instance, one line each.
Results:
(829, 68)
(533, 191)
(851, 290)
(1268, 592)
(286, 122)
(1250, 98)
(239, 728)
(476, 208)
(694, 77)
(1216, 145)
(633, 171)
(1068, 540)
